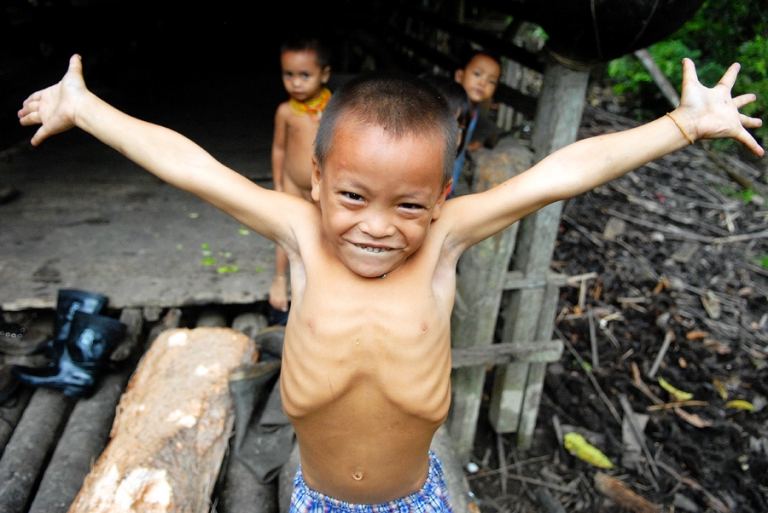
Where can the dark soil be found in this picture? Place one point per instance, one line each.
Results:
(664, 246)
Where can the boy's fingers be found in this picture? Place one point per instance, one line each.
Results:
(33, 118)
(747, 140)
(749, 122)
(689, 72)
(744, 99)
(39, 136)
(730, 76)
(76, 63)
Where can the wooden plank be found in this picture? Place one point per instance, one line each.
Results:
(500, 354)
(558, 116)
(517, 280)
(482, 269)
(534, 385)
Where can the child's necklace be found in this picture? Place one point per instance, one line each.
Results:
(313, 107)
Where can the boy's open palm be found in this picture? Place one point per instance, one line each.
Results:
(713, 112)
(54, 107)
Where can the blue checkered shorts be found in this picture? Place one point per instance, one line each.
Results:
(432, 498)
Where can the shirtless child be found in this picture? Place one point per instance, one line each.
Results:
(366, 365)
(305, 65)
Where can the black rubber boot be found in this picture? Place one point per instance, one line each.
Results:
(68, 302)
(85, 355)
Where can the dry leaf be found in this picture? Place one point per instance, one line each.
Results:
(721, 388)
(717, 346)
(692, 419)
(711, 305)
(696, 335)
(622, 495)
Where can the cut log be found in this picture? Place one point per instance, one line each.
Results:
(30, 446)
(172, 426)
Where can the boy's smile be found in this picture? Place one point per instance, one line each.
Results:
(378, 195)
(303, 77)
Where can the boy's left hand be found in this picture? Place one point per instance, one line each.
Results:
(712, 113)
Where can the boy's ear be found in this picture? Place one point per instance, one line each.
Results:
(316, 177)
(458, 76)
(325, 75)
(441, 199)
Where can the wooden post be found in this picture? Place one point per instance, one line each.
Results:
(529, 316)
(481, 272)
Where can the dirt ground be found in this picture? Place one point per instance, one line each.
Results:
(678, 292)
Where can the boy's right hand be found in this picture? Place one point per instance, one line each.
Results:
(55, 107)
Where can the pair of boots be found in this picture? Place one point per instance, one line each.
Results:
(82, 343)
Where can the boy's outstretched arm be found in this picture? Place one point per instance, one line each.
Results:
(703, 113)
(165, 153)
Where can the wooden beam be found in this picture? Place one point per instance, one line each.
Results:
(530, 314)
(479, 287)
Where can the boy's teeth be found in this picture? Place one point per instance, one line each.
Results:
(372, 250)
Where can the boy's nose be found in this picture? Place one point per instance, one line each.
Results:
(377, 226)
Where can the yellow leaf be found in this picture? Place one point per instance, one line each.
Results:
(740, 404)
(579, 447)
(679, 395)
(721, 388)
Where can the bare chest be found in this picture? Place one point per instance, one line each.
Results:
(373, 342)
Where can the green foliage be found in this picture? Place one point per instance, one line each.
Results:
(720, 33)
(744, 195)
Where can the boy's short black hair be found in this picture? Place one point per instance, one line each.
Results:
(471, 53)
(402, 104)
(308, 43)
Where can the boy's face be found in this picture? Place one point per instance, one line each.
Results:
(479, 78)
(378, 195)
(303, 77)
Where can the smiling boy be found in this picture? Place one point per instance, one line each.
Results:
(366, 364)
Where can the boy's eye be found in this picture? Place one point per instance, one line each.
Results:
(305, 76)
(411, 206)
(353, 196)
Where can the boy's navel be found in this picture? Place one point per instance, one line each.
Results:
(357, 475)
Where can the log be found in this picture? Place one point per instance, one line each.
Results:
(30, 446)
(172, 426)
(11, 411)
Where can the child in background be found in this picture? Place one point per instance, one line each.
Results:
(479, 77)
(305, 65)
(365, 375)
